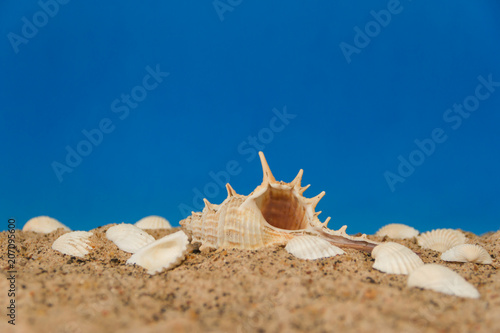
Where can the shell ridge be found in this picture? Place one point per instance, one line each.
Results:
(273, 213)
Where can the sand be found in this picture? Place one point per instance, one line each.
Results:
(266, 290)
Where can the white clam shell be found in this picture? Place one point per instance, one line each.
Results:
(75, 243)
(153, 222)
(128, 237)
(164, 253)
(311, 247)
(467, 253)
(394, 258)
(397, 231)
(441, 239)
(441, 279)
(44, 225)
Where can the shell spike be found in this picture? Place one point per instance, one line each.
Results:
(230, 191)
(297, 180)
(268, 175)
(274, 213)
(208, 204)
(304, 188)
(314, 200)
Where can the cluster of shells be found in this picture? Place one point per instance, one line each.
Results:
(277, 213)
(153, 255)
(452, 244)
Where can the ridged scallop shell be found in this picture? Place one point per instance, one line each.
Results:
(164, 253)
(397, 231)
(273, 213)
(43, 225)
(467, 253)
(441, 239)
(153, 222)
(312, 247)
(394, 258)
(441, 279)
(128, 237)
(75, 243)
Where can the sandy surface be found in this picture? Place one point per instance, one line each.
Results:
(266, 290)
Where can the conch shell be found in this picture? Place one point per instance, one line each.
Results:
(272, 214)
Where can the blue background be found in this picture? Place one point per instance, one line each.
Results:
(228, 71)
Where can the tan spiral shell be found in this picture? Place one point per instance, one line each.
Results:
(273, 213)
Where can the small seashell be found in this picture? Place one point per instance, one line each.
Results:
(467, 253)
(44, 225)
(441, 279)
(441, 239)
(397, 231)
(394, 258)
(164, 253)
(75, 243)
(312, 247)
(153, 222)
(128, 237)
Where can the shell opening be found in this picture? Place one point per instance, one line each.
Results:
(282, 209)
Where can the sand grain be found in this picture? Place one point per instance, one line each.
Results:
(266, 290)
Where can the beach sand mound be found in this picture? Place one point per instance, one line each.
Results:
(266, 290)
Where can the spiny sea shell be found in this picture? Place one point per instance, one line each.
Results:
(394, 258)
(164, 253)
(128, 237)
(44, 225)
(153, 222)
(441, 239)
(312, 247)
(75, 243)
(273, 213)
(397, 231)
(441, 279)
(467, 253)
